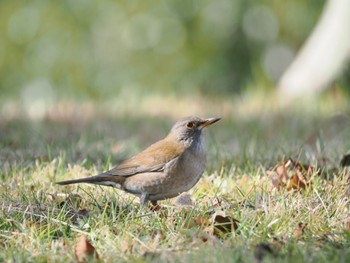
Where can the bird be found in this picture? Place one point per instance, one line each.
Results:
(165, 169)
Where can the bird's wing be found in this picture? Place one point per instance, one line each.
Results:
(153, 159)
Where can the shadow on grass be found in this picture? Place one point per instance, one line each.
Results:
(245, 143)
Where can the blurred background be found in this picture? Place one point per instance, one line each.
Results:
(99, 50)
(95, 81)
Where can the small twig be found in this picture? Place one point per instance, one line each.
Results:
(323, 204)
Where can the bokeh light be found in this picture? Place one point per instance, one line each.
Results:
(94, 50)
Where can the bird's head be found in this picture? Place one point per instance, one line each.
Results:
(189, 130)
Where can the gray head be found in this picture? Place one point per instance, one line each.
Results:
(189, 130)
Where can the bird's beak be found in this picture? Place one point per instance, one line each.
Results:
(208, 122)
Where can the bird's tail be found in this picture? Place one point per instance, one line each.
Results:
(101, 179)
(90, 180)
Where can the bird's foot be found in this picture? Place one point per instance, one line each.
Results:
(154, 206)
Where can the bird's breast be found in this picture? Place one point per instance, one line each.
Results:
(189, 169)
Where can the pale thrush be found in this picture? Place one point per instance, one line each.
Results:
(165, 169)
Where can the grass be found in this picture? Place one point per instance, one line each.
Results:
(40, 221)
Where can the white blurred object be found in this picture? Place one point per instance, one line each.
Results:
(37, 97)
(260, 24)
(323, 55)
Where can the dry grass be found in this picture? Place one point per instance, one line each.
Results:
(40, 221)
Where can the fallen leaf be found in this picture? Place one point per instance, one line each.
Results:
(224, 225)
(299, 230)
(281, 171)
(345, 161)
(84, 251)
(295, 183)
(275, 179)
(292, 175)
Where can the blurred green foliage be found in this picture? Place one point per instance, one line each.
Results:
(94, 49)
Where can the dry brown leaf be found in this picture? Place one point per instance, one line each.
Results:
(299, 230)
(292, 175)
(295, 183)
(84, 251)
(276, 182)
(281, 171)
(345, 161)
(224, 225)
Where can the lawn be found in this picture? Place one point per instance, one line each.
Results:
(236, 213)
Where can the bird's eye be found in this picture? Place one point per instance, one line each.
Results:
(190, 125)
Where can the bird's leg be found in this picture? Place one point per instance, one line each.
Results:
(143, 199)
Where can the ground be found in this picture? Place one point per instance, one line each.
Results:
(236, 213)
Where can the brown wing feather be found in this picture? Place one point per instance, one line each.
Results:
(152, 159)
